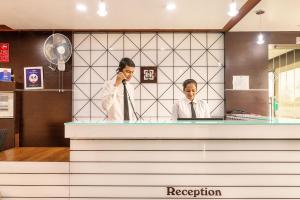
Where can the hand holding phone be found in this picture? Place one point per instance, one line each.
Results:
(120, 78)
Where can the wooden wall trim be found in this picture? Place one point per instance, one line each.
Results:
(5, 28)
(244, 10)
(7, 86)
(121, 30)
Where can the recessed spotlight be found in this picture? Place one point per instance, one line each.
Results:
(102, 13)
(81, 7)
(102, 9)
(171, 6)
(232, 9)
(260, 39)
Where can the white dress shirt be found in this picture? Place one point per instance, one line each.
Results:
(112, 100)
(182, 109)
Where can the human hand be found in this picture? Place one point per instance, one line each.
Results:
(120, 78)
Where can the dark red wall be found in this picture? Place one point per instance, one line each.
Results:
(45, 111)
(244, 57)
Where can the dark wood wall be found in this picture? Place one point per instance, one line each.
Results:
(244, 57)
(43, 112)
(10, 126)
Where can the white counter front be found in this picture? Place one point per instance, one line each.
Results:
(184, 130)
(185, 160)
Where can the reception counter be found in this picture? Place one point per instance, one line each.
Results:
(185, 160)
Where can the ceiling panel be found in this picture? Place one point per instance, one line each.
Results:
(122, 14)
(280, 15)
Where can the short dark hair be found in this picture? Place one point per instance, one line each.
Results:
(188, 81)
(125, 62)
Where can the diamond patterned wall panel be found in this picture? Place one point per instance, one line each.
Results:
(178, 56)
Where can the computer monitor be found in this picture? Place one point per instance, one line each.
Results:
(202, 119)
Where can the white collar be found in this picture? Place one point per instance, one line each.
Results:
(195, 100)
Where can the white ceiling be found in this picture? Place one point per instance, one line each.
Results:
(280, 15)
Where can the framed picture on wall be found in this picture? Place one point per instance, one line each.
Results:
(33, 78)
(5, 74)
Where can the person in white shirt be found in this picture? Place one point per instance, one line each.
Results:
(190, 106)
(113, 101)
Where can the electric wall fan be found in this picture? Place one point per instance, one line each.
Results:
(58, 50)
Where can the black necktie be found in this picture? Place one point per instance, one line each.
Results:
(126, 110)
(193, 111)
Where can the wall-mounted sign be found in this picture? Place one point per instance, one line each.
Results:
(297, 40)
(6, 104)
(33, 78)
(4, 52)
(5, 74)
(148, 75)
(240, 82)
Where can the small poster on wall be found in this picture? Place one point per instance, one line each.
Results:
(33, 78)
(240, 82)
(4, 52)
(6, 104)
(5, 74)
(148, 74)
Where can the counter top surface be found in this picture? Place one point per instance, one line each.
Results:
(196, 122)
(210, 129)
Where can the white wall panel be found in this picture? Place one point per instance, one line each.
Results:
(185, 145)
(161, 192)
(183, 180)
(186, 156)
(81, 41)
(185, 168)
(34, 191)
(82, 58)
(33, 167)
(143, 166)
(27, 180)
(178, 57)
(199, 40)
(34, 179)
(99, 59)
(98, 41)
(41, 198)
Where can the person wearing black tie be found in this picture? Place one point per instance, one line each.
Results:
(117, 93)
(190, 106)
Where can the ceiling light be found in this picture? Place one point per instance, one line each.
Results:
(171, 6)
(102, 9)
(260, 37)
(81, 7)
(232, 9)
